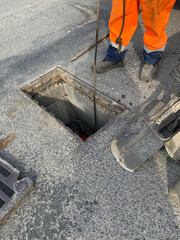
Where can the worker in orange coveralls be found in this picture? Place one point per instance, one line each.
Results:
(155, 15)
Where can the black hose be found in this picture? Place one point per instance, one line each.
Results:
(95, 60)
(119, 39)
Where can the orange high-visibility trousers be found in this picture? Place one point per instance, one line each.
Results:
(155, 15)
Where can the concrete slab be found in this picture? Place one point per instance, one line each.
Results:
(81, 192)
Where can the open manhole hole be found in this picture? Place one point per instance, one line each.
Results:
(70, 100)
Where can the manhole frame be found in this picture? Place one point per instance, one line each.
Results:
(73, 78)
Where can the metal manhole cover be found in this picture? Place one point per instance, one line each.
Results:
(12, 190)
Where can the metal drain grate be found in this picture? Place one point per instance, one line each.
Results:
(12, 190)
(70, 100)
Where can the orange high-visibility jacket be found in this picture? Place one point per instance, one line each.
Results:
(155, 15)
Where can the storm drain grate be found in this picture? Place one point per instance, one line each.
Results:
(12, 190)
(70, 100)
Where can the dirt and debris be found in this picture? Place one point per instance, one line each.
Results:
(75, 127)
(123, 96)
(4, 142)
(151, 86)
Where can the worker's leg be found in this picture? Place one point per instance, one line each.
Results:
(113, 57)
(155, 14)
(116, 21)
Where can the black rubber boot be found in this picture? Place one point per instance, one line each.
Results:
(148, 72)
(113, 59)
(106, 65)
(176, 72)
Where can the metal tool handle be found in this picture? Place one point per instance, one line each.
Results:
(156, 133)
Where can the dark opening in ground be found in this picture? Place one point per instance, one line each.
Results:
(4, 171)
(71, 101)
(7, 190)
(1, 203)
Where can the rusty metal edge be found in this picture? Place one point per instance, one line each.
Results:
(16, 205)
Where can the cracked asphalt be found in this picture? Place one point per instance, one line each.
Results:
(80, 191)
